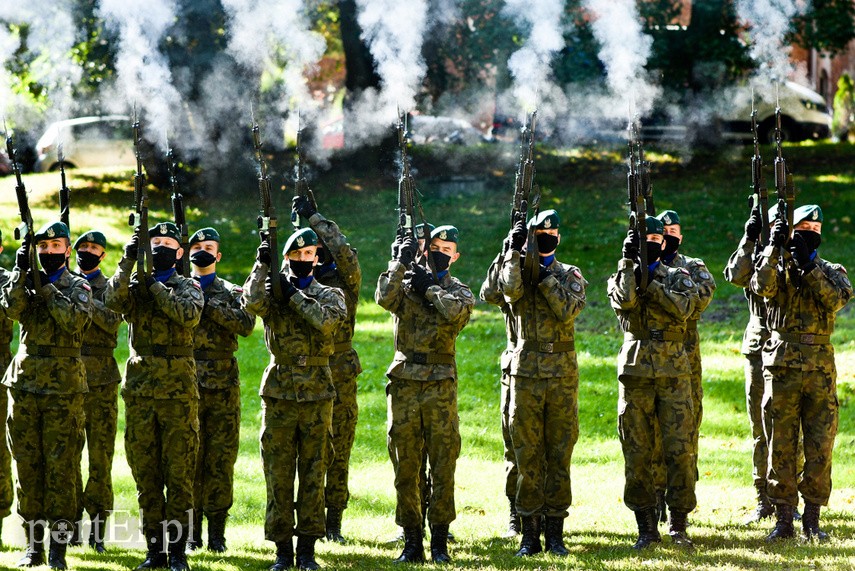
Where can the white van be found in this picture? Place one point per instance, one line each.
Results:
(98, 141)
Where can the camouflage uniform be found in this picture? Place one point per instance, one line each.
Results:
(422, 390)
(6, 492)
(654, 377)
(160, 393)
(214, 345)
(544, 383)
(47, 383)
(297, 395)
(800, 374)
(346, 275)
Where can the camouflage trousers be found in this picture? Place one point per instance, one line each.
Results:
(754, 387)
(345, 414)
(46, 438)
(511, 472)
(296, 442)
(101, 407)
(219, 439)
(422, 417)
(796, 399)
(544, 420)
(642, 404)
(7, 493)
(161, 442)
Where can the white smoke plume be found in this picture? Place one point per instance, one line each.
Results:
(144, 78)
(769, 21)
(8, 45)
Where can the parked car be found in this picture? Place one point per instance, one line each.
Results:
(97, 141)
(430, 129)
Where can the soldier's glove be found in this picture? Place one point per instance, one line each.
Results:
(288, 288)
(407, 251)
(132, 248)
(22, 256)
(421, 280)
(263, 253)
(780, 233)
(543, 273)
(303, 206)
(518, 235)
(396, 247)
(149, 281)
(630, 245)
(753, 226)
(800, 251)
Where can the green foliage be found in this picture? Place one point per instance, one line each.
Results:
(844, 107)
(826, 25)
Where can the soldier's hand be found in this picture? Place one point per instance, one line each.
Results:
(780, 233)
(263, 253)
(396, 247)
(132, 248)
(407, 251)
(630, 245)
(753, 226)
(22, 256)
(518, 235)
(421, 279)
(800, 251)
(303, 206)
(149, 281)
(543, 273)
(288, 289)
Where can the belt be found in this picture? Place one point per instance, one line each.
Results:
(541, 347)
(213, 355)
(426, 358)
(802, 338)
(691, 325)
(51, 351)
(342, 347)
(654, 335)
(91, 351)
(301, 360)
(163, 351)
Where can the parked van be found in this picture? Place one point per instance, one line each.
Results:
(98, 141)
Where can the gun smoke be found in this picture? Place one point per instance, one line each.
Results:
(769, 21)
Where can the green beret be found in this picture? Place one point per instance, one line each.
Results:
(808, 212)
(205, 234)
(93, 237)
(669, 217)
(165, 230)
(52, 230)
(654, 225)
(448, 233)
(419, 228)
(300, 239)
(545, 220)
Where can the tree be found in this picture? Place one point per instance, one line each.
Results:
(827, 26)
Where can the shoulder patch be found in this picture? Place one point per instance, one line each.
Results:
(195, 293)
(86, 286)
(688, 283)
(684, 270)
(704, 275)
(83, 297)
(576, 286)
(465, 291)
(577, 273)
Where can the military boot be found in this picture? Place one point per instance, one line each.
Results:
(530, 543)
(677, 529)
(439, 544)
(284, 555)
(34, 556)
(96, 533)
(194, 533)
(217, 532)
(56, 555)
(177, 550)
(76, 539)
(514, 526)
(784, 524)
(155, 557)
(553, 536)
(764, 507)
(305, 554)
(648, 532)
(810, 523)
(414, 551)
(333, 525)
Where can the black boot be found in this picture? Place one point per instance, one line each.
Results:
(217, 532)
(414, 551)
(810, 523)
(764, 507)
(661, 506)
(306, 552)
(514, 525)
(677, 529)
(553, 536)
(35, 553)
(56, 554)
(76, 539)
(284, 555)
(194, 533)
(530, 543)
(155, 557)
(177, 550)
(96, 534)
(333, 524)
(784, 524)
(648, 532)
(439, 544)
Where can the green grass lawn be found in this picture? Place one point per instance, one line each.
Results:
(588, 189)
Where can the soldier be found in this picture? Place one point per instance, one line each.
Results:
(544, 381)
(215, 342)
(101, 403)
(803, 293)
(160, 393)
(6, 492)
(338, 266)
(654, 381)
(46, 384)
(297, 393)
(422, 388)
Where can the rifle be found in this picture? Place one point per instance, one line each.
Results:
(64, 193)
(301, 185)
(178, 213)
(643, 168)
(784, 190)
(139, 217)
(267, 222)
(527, 197)
(759, 198)
(635, 192)
(25, 228)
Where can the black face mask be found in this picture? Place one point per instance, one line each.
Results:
(202, 259)
(671, 245)
(546, 243)
(440, 260)
(163, 257)
(51, 262)
(300, 268)
(654, 250)
(87, 261)
(811, 238)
